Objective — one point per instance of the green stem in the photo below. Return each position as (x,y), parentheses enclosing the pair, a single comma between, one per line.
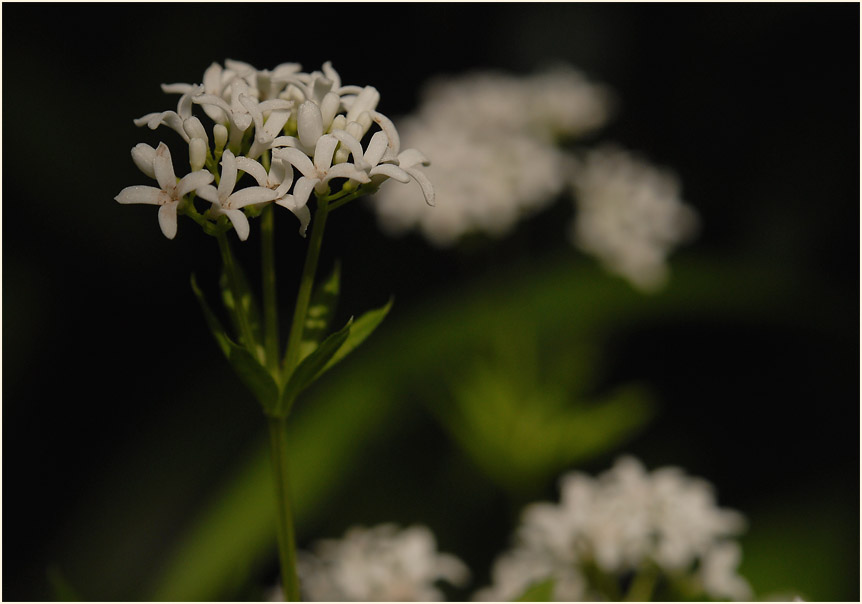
(642,584)
(233,282)
(284,516)
(270,306)
(291,358)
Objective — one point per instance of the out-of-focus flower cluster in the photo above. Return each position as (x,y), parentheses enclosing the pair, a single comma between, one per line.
(499,146)
(609,532)
(380,564)
(266,124)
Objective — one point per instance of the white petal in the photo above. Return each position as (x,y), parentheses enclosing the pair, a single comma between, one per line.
(412,157)
(285,141)
(303,213)
(228,175)
(177,88)
(302,190)
(346,171)
(212,79)
(329,108)
(248,197)
(390,171)
(257,171)
(281,172)
(164,168)
(210,100)
(366,101)
(376,147)
(323,151)
(427,187)
(195,129)
(298,159)
(240,223)
(389,128)
(209,193)
(192,182)
(309,124)
(168,220)
(274,123)
(140,194)
(354,146)
(143,156)
(276,105)
(330,73)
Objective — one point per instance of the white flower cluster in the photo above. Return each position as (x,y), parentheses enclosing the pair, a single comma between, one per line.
(629,214)
(380,564)
(265,124)
(492,139)
(621,523)
(496,144)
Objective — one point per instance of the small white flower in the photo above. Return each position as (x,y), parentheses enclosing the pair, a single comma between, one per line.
(227,202)
(381,564)
(173,119)
(718,573)
(279,179)
(170,193)
(321,171)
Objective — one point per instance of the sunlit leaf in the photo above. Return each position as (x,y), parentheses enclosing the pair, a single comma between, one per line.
(362,327)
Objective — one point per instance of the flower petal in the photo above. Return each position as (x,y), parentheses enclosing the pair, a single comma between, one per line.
(248,197)
(193,182)
(355,148)
(427,187)
(209,193)
(323,151)
(298,159)
(302,190)
(376,147)
(412,157)
(168,220)
(252,167)
(391,171)
(228,175)
(140,194)
(164,168)
(346,171)
(389,128)
(365,101)
(240,223)
(303,213)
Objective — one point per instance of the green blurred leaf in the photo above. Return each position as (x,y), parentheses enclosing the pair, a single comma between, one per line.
(362,327)
(248,306)
(254,375)
(540,591)
(321,309)
(310,368)
(61,589)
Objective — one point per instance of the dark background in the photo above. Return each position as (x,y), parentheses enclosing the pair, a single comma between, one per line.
(755,106)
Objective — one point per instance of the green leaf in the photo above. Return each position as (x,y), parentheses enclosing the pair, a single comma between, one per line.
(363,327)
(254,375)
(61,589)
(321,308)
(248,306)
(312,366)
(540,591)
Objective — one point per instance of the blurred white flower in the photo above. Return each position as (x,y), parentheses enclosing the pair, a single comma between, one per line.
(629,215)
(622,520)
(380,564)
(491,139)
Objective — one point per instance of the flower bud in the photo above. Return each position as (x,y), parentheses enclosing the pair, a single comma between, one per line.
(195,129)
(197,154)
(220,135)
(143,156)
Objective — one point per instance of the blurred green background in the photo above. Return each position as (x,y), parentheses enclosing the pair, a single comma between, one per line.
(134,463)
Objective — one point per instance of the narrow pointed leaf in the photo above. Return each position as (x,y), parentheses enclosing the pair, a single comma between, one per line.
(254,375)
(213,322)
(540,591)
(363,327)
(248,305)
(312,366)
(320,311)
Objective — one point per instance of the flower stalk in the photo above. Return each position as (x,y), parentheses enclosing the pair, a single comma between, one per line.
(284,517)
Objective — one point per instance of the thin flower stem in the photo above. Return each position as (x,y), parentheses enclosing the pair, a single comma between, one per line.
(233,282)
(291,358)
(284,516)
(270,305)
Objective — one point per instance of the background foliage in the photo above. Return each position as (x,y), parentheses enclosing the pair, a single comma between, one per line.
(134,461)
